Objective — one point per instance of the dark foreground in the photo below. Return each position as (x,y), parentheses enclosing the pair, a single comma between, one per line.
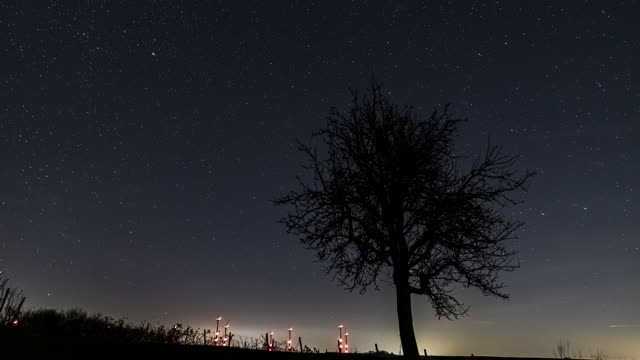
(28,347)
(198,352)
(59,342)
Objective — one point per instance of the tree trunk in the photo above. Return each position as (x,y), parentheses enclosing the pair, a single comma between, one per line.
(405,321)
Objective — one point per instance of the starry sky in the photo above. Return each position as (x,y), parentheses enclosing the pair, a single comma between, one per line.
(141,144)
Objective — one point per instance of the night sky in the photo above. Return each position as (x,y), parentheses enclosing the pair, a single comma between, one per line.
(141,144)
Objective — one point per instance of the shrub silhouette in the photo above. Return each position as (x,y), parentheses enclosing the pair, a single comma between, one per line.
(76,325)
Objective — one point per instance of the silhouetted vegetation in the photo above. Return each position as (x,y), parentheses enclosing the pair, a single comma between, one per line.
(564,349)
(599,355)
(391,200)
(11,302)
(75,334)
(77,326)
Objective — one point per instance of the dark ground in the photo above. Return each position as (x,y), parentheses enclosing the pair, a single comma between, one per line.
(56,344)
(146,351)
(25,347)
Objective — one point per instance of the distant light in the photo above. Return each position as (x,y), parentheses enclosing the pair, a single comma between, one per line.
(15,322)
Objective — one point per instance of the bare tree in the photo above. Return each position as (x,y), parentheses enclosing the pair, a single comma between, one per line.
(391,200)
(11,302)
(599,355)
(565,350)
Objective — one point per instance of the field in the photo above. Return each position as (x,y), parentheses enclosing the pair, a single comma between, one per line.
(147,351)
(28,347)
(72,334)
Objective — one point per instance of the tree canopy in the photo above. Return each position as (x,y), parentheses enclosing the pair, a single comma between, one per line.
(388,198)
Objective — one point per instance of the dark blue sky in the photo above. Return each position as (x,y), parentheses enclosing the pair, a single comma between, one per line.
(141,143)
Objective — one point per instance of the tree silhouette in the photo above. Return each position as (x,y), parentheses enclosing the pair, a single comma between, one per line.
(11,302)
(391,200)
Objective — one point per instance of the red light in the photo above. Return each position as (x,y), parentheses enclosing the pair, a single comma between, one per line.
(15,322)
